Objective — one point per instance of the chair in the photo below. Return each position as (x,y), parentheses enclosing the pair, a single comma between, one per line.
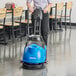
(26,23)
(15,27)
(58,10)
(2,25)
(67,16)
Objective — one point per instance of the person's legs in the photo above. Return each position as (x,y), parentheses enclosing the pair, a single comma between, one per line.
(45,27)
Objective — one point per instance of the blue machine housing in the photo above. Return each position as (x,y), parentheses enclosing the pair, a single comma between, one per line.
(34,54)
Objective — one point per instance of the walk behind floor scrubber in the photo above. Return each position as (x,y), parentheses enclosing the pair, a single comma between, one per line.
(34,55)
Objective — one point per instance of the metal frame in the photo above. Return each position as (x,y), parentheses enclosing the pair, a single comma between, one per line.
(37,27)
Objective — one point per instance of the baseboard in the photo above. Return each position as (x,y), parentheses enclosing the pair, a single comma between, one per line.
(73,24)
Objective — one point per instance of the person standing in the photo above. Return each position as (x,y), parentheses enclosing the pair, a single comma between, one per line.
(45,5)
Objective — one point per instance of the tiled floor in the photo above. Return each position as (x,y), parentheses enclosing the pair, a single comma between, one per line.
(61,57)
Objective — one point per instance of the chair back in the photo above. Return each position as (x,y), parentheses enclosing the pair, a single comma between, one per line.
(69,5)
(17,12)
(60,6)
(59,9)
(17,15)
(2,13)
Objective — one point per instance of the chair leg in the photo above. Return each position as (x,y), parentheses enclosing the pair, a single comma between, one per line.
(4,39)
(65,25)
(13,36)
(60,24)
(20,34)
(70,23)
(55,24)
(9,33)
(4,35)
(65,22)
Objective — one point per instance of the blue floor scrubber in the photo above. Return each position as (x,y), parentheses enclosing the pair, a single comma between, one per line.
(34,55)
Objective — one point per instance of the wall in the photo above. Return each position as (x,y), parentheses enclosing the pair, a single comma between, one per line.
(74,12)
(23,3)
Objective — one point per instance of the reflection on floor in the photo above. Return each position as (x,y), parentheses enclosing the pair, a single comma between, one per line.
(61,56)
